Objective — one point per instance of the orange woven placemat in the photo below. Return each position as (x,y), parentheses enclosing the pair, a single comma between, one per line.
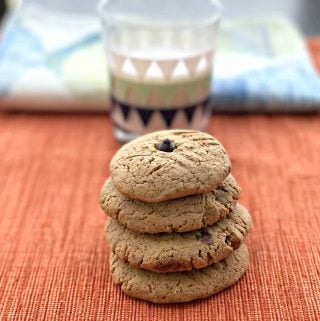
(314,48)
(53,257)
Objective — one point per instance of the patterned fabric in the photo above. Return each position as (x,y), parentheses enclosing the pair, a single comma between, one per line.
(53,256)
(261,65)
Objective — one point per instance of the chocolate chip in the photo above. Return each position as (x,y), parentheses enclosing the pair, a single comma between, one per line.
(167,146)
(233,242)
(204,236)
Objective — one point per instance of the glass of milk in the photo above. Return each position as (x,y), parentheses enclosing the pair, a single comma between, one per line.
(160,58)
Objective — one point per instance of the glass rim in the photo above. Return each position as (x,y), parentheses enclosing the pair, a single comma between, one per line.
(137,21)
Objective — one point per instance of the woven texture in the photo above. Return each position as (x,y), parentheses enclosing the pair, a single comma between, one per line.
(314,47)
(53,256)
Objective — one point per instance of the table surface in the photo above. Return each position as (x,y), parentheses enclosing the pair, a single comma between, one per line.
(53,256)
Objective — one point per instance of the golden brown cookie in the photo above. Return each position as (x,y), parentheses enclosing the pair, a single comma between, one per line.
(180,286)
(169,164)
(179,251)
(179,215)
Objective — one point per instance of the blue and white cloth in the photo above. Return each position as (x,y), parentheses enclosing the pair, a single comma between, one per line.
(55,61)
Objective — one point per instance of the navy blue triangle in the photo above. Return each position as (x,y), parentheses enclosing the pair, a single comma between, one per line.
(168,115)
(189,111)
(145,115)
(125,110)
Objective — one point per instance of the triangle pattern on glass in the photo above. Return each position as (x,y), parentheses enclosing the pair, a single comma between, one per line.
(117,61)
(189,112)
(168,116)
(135,122)
(154,72)
(125,109)
(179,121)
(181,71)
(156,122)
(167,67)
(141,66)
(116,114)
(128,68)
(197,118)
(192,64)
(145,115)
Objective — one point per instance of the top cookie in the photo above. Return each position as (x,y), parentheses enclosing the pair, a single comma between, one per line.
(169,164)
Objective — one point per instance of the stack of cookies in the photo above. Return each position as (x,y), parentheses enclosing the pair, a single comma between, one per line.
(175,229)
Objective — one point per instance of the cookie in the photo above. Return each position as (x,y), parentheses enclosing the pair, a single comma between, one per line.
(179,251)
(169,164)
(180,286)
(179,215)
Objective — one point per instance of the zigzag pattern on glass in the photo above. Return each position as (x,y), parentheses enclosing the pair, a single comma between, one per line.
(160,69)
(139,119)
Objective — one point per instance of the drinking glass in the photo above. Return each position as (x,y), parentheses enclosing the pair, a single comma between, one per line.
(160,58)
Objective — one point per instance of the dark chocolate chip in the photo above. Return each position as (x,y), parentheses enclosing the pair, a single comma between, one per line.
(204,236)
(167,146)
(233,242)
